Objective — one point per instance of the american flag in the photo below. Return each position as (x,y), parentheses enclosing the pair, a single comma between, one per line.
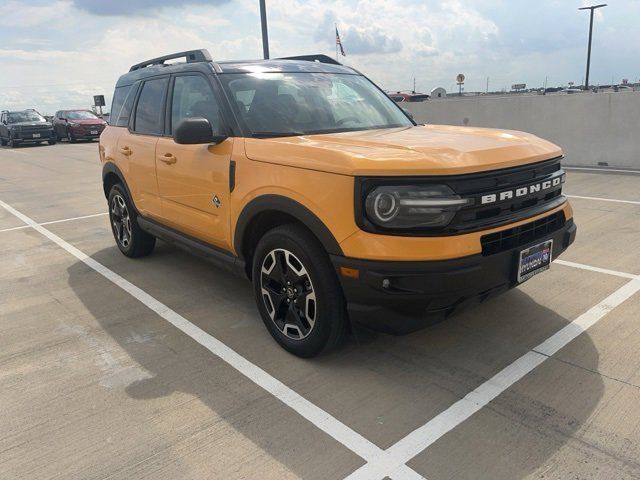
(339,43)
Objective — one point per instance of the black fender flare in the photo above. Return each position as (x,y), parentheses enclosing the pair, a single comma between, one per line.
(112,168)
(285,205)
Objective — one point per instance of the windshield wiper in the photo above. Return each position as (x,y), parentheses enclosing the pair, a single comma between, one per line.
(266,134)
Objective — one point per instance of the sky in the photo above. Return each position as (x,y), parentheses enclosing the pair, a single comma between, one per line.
(57,54)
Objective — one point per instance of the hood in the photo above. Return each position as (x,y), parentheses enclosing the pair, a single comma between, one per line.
(88,121)
(419,150)
(30,124)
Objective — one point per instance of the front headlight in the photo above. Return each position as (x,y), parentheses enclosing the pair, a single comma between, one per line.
(413,206)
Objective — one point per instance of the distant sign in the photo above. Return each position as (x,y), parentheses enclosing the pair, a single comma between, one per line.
(518,86)
(460,78)
(98,100)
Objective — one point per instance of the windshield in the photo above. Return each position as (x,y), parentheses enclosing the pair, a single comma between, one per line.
(279,104)
(17,117)
(81,115)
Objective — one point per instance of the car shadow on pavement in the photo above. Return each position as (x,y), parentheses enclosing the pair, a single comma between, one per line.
(381,386)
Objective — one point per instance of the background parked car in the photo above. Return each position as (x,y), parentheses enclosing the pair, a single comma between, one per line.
(25,126)
(77,125)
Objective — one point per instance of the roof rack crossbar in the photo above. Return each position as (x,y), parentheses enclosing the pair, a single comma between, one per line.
(192,56)
(313,58)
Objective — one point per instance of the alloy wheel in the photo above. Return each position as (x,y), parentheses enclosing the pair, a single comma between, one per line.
(288,294)
(121,220)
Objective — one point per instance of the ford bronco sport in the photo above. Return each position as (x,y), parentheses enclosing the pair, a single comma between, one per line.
(303,176)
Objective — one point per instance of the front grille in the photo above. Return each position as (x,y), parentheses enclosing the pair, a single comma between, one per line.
(521,235)
(35,129)
(488,187)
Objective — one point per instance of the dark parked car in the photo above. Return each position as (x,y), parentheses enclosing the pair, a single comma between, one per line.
(77,125)
(26,126)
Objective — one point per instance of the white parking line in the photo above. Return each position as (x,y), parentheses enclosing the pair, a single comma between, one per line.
(595,269)
(314,414)
(601,199)
(22,227)
(417,441)
(12,151)
(602,170)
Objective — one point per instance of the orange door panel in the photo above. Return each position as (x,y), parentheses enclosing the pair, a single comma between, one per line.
(194,187)
(139,152)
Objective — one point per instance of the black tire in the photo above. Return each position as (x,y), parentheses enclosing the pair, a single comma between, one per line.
(52,141)
(70,137)
(3,142)
(130,238)
(318,291)
(12,143)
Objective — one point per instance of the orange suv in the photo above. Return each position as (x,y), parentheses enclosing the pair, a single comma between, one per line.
(303,176)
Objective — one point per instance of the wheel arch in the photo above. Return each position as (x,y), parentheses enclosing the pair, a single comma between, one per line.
(111,175)
(269,211)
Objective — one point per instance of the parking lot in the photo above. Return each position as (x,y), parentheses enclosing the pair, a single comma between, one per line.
(162,368)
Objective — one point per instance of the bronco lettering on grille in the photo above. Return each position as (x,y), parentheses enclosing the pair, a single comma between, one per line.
(521,191)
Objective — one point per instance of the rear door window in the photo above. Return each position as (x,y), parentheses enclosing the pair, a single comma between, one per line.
(149,115)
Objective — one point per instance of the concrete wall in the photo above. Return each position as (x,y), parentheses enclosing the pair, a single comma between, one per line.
(593,129)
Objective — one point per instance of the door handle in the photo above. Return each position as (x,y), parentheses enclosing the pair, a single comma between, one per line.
(168,158)
(126,151)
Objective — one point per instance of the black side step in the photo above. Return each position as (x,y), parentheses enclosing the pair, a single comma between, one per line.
(210,253)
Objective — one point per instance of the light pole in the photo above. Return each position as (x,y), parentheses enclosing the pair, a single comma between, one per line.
(265,36)
(592,8)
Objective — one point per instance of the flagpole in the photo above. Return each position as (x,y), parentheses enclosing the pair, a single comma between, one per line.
(336,41)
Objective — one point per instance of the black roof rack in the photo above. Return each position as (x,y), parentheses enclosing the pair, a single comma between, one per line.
(192,56)
(313,58)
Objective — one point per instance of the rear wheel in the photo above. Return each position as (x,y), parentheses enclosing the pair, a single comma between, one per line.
(297,292)
(130,238)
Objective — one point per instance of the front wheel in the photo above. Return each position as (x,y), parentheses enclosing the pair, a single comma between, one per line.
(297,292)
(70,137)
(52,141)
(130,238)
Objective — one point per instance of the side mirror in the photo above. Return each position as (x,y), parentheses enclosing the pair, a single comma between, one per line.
(408,113)
(192,131)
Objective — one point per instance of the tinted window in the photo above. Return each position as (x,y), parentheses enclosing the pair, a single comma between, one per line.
(122,119)
(192,97)
(119,97)
(149,111)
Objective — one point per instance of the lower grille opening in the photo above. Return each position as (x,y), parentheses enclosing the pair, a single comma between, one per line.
(521,235)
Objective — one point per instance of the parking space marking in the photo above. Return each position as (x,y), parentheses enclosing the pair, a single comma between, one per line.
(601,199)
(417,441)
(12,151)
(22,227)
(606,271)
(348,437)
(603,170)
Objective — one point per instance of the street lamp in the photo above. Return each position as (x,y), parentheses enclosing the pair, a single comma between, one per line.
(592,8)
(265,37)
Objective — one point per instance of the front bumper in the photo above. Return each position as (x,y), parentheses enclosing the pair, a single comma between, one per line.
(86,134)
(401,297)
(32,137)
